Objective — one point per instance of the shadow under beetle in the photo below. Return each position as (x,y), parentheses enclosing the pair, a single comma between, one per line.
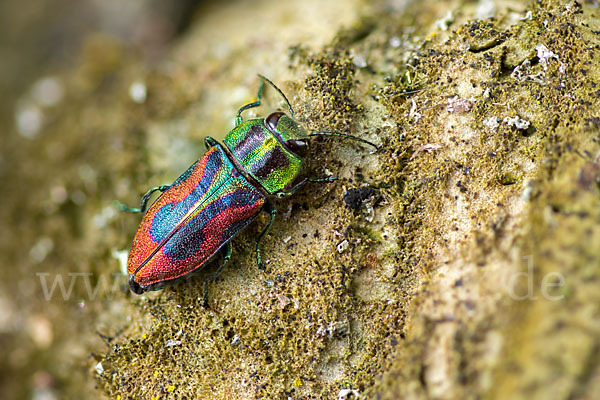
(219,195)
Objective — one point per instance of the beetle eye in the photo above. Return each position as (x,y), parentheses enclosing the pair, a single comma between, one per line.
(298,147)
(272,120)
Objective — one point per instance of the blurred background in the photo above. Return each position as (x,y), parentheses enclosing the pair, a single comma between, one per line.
(42,44)
(46,36)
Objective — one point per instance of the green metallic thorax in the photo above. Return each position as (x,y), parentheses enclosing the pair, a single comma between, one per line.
(262,155)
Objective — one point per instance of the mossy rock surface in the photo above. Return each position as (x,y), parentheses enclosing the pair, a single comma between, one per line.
(469,270)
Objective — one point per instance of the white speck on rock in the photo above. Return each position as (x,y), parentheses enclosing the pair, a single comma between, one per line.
(457,105)
(517,122)
(429,147)
(528,15)
(413,113)
(492,123)
(342,246)
(283,301)
(544,55)
(99,368)
(345,394)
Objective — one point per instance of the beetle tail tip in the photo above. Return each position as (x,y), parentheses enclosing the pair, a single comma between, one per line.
(134,286)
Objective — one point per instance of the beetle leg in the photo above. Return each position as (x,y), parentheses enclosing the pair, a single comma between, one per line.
(270,208)
(144,201)
(238,117)
(212,277)
(303,182)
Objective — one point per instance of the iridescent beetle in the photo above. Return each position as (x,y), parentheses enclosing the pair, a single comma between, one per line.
(219,195)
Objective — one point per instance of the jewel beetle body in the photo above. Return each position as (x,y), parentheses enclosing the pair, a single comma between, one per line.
(219,195)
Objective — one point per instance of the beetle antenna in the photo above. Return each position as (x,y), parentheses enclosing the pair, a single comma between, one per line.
(278,91)
(344,136)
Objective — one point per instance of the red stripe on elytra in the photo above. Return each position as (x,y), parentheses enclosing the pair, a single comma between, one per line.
(143,245)
(163,268)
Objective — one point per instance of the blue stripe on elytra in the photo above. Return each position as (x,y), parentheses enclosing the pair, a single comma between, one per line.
(188,241)
(168,216)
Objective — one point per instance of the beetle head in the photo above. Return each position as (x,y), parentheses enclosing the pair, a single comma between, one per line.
(291,134)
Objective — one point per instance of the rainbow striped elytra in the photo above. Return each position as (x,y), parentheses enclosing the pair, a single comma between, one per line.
(196,216)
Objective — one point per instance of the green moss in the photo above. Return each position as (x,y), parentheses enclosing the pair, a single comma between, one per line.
(333,80)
